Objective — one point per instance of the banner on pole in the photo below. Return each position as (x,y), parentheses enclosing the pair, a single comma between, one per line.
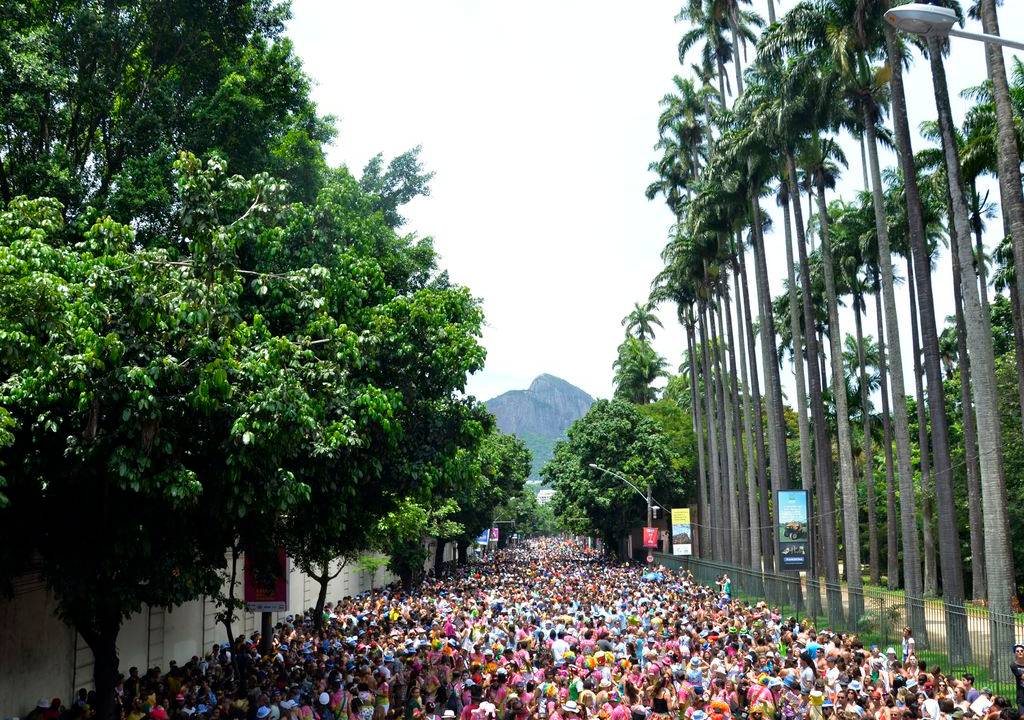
(494,534)
(484,537)
(266,589)
(650,537)
(682,532)
(794,531)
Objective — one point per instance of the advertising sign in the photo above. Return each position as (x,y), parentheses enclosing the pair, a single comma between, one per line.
(484,537)
(650,537)
(266,588)
(682,532)
(494,534)
(793,529)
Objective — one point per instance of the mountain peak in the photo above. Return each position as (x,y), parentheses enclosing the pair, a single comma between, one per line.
(541,414)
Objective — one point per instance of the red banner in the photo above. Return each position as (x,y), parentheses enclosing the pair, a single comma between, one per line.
(650,537)
(267,593)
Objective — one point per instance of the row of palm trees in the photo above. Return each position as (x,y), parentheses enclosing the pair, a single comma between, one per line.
(824,69)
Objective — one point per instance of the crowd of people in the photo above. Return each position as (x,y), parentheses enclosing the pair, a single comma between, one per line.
(549,631)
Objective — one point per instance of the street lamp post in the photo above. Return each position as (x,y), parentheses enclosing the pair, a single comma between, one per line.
(934,21)
(648,496)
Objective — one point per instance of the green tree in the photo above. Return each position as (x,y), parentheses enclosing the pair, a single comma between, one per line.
(614,435)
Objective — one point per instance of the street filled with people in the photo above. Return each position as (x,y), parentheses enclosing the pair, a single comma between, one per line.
(548,630)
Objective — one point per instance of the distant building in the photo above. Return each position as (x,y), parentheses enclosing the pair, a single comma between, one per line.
(544,495)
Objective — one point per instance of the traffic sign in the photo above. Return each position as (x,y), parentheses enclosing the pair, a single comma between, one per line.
(650,558)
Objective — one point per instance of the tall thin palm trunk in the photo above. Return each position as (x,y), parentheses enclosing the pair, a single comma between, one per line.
(874,571)
(722,518)
(711,531)
(892,525)
(776,421)
(822,446)
(748,444)
(998,556)
(696,406)
(727,349)
(1010,189)
(803,423)
(844,437)
(767,548)
(974,514)
(930,554)
(908,510)
(951,558)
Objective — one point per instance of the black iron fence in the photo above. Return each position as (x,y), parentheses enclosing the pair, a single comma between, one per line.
(957,637)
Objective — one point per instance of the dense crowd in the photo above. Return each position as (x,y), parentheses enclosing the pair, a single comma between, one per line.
(547,631)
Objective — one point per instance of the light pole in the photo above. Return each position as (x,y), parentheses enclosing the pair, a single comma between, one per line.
(934,21)
(648,497)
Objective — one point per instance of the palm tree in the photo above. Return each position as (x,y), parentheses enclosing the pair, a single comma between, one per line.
(836,30)
(637,366)
(641,321)
(1009,153)
(850,226)
(821,159)
(998,558)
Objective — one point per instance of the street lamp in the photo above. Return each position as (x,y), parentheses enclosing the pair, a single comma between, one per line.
(651,502)
(934,21)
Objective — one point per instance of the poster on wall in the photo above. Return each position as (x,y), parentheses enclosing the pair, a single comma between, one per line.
(266,588)
(793,530)
(650,537)
(682,532)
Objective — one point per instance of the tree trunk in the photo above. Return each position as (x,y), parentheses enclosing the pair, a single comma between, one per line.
(731,450)
(101,638)
(951,558)
(974,513)
(698,425)
(892,568)
(461,547)
(323,580)
(874,569)
(720,507)
(822,447)
(726,472)
(847,483)
(715,503)
(776,419)
(754,534)
(1010,191)
(767,549)
(998,557)
(266,632)
(439,557)
(908,511)
(931,569)
(803,424)
(739,427)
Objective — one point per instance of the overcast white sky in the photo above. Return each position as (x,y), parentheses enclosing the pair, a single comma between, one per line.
(538,118)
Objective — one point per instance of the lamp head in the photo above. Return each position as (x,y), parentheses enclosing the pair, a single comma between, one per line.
(922,19)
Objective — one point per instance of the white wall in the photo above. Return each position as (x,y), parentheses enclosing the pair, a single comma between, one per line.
(41,657)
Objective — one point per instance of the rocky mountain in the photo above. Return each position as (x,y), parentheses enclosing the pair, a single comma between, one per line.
(540,415)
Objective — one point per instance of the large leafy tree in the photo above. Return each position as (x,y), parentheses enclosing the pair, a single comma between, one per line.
(616,436)
(181,404)
(100,96)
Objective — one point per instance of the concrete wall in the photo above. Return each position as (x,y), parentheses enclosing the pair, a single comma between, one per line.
(41,657)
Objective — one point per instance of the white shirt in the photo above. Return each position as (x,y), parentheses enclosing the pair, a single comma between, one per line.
(559,648)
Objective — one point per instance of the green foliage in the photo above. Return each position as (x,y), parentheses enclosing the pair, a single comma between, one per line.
(637,366)
(97,102)
(617,436)
(248,392)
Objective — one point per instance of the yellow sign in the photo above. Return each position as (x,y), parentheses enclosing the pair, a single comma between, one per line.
(682,532)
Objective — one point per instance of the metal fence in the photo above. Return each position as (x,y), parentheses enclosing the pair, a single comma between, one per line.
(957,637)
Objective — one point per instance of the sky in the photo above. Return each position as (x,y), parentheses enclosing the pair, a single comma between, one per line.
(539,119)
